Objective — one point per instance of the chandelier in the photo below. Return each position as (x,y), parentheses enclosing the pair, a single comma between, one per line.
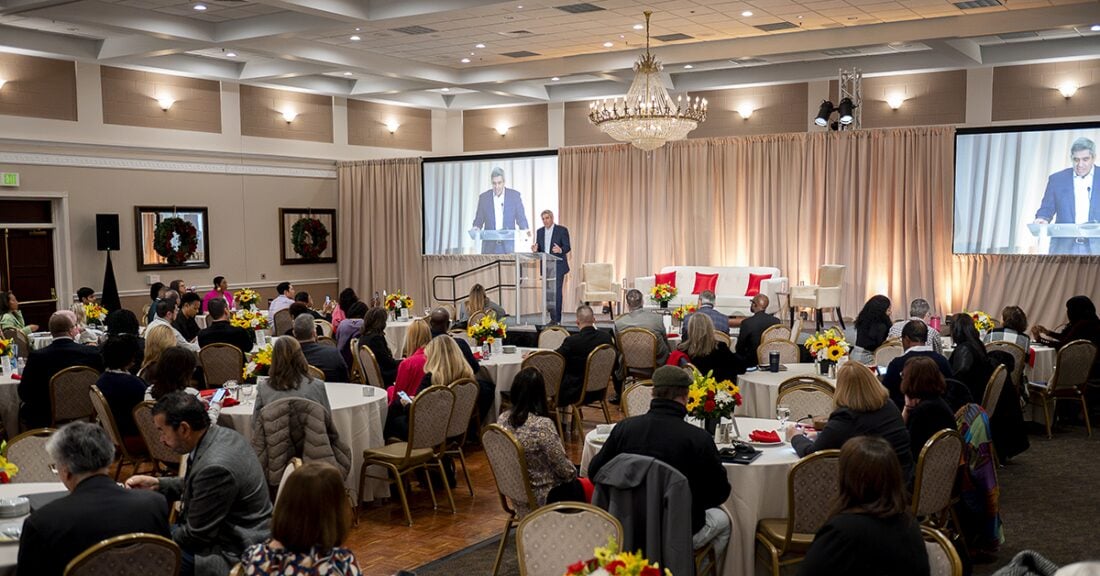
(647,116)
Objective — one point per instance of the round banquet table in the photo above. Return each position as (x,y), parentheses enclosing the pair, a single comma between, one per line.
(761,388)
(395,335)
(9,552)
(502,368)
(9,404)
(358,418)
(759,490)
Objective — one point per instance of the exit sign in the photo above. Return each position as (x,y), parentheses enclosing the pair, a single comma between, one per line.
(9,178)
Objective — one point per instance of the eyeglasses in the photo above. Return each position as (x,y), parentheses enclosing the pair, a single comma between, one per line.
(53,467)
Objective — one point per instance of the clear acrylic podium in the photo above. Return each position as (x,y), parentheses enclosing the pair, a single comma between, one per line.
(508,237)
(536,288)
(1044,233)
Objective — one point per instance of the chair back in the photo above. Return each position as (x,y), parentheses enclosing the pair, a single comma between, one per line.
(776,332)
(812,486)
(326,327)
(356,369)
(107,419)
(830,275)
(937,468)
(20,339)
(555,536)
(888,351)
(283,321)
(475,317)
(128,555)
(639,349)
(943,559)
(508,463)
(460,334)
(326,341)
(993,389)
(796,330)
(69,394)
(806,396)
(721,336)
(636,398)
(295,463)
(598,369)
(28,452)
(598,276)
(1019,355)
(143,417)
(316,373)
(552,366)
(788,351)
(1072,365)
(369,365)
(551,337)
(465,391)
(430,417)
(221,363)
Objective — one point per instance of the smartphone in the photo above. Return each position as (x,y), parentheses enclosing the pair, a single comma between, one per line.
(218,395)
(404,397)
(881,370)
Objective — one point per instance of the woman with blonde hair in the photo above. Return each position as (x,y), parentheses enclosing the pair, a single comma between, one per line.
(707,353)
(157,339)
(444,364)
(862,407)
(289,376)
(478,301)
(411,370)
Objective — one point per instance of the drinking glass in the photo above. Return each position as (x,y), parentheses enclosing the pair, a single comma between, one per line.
(233,388)
(247,391)
(782,413)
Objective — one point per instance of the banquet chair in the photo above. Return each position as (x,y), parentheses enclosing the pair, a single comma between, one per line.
(221,363)
(775,332)
(326,341)
(889,350)
(164,459)
(295,427)
(429,417)
(811,487)
(316,373)
(943,559)
(638,347)
(20,339)
(508,462)
(28,452)
(598,284)
(356,371)
(788,351)
(597,376)
(1019,355)
(368,364)
(721,336)
(69,395)
(825,295)
(934,480)
(282,322)
(136,554)
(552,366)
(806,396)
(107,421)
(993,389)
(551,337)
(294,464)
(326,327)
(796,329)
(465,391)
(1070,378)
(475,317)
(460,334)
(551,538)
(636,398)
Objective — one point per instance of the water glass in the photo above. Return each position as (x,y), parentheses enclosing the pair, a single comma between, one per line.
(247,391)
(782,413)
(233,389)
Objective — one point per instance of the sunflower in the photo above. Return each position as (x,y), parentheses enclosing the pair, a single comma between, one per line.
(835,353)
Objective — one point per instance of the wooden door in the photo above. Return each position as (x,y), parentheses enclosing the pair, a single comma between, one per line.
(26,268)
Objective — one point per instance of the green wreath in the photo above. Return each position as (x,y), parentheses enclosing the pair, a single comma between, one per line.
(173,228)
(309,238)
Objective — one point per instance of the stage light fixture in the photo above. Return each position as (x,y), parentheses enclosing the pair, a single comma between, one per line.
(823,113)
(846,108)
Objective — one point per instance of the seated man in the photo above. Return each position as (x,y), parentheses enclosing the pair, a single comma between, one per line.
(327,358)
(706,306)
(44,364)
(220,330)
(913,338)
(86,295)
(167,310)
(283,300)
(663,434)
(185,322)
(752,329)
(226,507)
(576,349)
(918,310)
(638,317)
(324,314)
(96,509)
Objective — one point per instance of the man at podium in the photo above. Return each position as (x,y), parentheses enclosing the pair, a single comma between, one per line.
(554,240)
(499,209)
(1071,198)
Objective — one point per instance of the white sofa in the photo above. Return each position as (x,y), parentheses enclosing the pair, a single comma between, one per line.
(729,292)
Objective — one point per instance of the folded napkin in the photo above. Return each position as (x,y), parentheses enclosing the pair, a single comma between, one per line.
(764,436)
(1031,357)
(673,335)
(227,402)
(477,355)
(16,376)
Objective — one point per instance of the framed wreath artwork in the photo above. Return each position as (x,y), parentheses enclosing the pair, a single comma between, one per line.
(171,237)
(308,236)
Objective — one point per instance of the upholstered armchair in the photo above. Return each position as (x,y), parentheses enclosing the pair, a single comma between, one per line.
(824,295)
(599,284)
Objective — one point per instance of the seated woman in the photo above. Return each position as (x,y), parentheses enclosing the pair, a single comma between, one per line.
(11,317)
(926,412)
(871,530)
(444,364)
(373,336)
(156,292)
(121,389)
(707,353)
(1013,328)
(157,340)
(344,302)
(872,327)
(310,523)
(172,372)
(478,301)
(969,362)
(221,290)
(123,321)
(349,328)
(553,475)
(1082,324)
(289,377)
(862,408)
(410,372)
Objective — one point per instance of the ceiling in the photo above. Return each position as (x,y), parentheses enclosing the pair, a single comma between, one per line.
(459,54)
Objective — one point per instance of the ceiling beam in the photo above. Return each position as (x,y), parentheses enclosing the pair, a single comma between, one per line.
(278,24)
(116,17)
(387,9)
(9,7)
(47,43)
(267,69)
(137,45)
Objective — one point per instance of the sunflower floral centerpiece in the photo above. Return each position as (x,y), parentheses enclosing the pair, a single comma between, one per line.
(828,348)
(710,400)
(94,314)
(247,299)
(609,561)
(259,365)
(252,320)
(982,321)
(662,294)
(681,312)
(489,332)
(8,470)
(395,302)
(5,355)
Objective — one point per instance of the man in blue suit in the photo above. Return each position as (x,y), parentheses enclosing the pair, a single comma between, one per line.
(554,240)
(500,209)
(1071,197)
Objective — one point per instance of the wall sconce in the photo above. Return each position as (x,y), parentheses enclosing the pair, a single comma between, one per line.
(289,115)
(745,110)
(392,126)
(1068,89)
(165,102)
(502,129)
(2,82)
(894,101)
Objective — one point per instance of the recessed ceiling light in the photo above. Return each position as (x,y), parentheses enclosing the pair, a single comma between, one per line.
(747,13)
(688,66)
(355,38)
(479,45)
(445,89)
(473,53)
(358,29)
(1095,28)
(608,44)
(520,7)
(639,26)
(465,60)
(555,79)
(231,54)
(347,73)
(200,7)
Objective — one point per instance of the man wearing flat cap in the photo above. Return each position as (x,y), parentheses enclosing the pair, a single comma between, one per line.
(662,433)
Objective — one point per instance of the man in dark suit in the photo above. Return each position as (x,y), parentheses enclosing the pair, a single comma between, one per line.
(96,508)
(914,336)
(752,328)
(554,240)
(576,349)
(226,506)
(44,364)
(500,208)
(220,330)
(1072,197)
(327,358)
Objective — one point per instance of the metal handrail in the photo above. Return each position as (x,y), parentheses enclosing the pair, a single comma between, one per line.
(498,287)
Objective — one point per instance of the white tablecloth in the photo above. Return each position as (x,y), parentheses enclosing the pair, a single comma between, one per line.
(40,340)
(760,389)
(395,336)
(9,404)
(502,368)
(358,418)
(1043,369)
(9,553)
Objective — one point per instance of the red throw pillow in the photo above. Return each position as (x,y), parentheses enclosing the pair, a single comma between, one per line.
(754,283)
(705,282)
(665,278)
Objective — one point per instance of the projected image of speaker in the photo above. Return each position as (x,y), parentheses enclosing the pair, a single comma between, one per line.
(106,232)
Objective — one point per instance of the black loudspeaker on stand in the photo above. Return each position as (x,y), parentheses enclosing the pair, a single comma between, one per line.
(106,239)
